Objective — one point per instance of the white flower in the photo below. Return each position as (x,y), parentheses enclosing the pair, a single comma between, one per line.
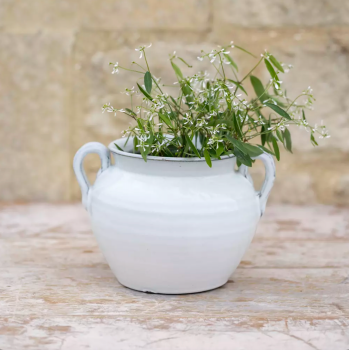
(158,146)
(324,131)
(215,140)
(108,108)
(142,48)
(308,91)
(115,68)
(142,139)
(125,133)
(129,92)
(282,125)
(200,58)
(201,122)
(188,119)
(212,56)
(259,121)
(141,54)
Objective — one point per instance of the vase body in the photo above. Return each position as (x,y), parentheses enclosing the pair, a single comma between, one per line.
(172,226)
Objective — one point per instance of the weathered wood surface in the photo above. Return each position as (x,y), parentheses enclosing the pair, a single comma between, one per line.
(291,291)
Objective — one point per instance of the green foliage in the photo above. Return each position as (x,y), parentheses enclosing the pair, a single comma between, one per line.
(211,117)
(278,110)
(148,83)
(258,88)
(207,158)
(270,69)
(276,63)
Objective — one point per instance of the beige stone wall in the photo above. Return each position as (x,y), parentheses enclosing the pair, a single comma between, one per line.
(55,77)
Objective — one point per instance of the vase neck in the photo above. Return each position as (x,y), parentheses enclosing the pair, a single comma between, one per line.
(175,168)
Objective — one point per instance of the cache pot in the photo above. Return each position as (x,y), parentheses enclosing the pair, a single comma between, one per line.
(171,225)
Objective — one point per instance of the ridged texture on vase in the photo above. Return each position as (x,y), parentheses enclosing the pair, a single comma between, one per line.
(172,225)
(173,234)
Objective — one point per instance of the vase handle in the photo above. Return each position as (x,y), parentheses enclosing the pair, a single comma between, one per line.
(268,183)
(104,155)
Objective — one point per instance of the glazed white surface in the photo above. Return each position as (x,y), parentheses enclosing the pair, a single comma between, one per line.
(172,226)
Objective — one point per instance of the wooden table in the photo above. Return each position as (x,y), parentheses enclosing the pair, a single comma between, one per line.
(291,290)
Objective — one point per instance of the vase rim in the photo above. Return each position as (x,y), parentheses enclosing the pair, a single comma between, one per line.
(121,141)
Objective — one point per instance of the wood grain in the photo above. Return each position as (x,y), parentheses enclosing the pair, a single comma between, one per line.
(291,290)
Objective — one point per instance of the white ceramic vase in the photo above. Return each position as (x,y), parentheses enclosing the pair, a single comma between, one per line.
(171,225)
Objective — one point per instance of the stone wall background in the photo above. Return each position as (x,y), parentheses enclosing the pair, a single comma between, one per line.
(55,77)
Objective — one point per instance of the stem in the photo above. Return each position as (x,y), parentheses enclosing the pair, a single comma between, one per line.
(131,70)
(294,101)
(252,70)
(145,57)
(220,58)
(243,122)
(138,65)
(266,90)
(217,70)
(236,77)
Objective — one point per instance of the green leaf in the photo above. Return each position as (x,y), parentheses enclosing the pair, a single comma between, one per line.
(166,120)
(139,122)
(207,158)
(177,70)
(148,82)
(271,69)
(232,63)
(144,154)
(280,136)
(269,135)
(172,115)
(186,149)
(212,153)
(187,92)
(242,49)
(287,140)
(193,148)
(238,85)
(187,64)
(277,100)
(276,63)
(127,139)
(243,158)
(312,140)
(135,143)
(303,115)
(219,150)
(118,147)
(151,135)
(276,148)
(131,112)
(144,93)
(266,150)
(174,101)
(263,136)
(278,110)
(236,124)
(258,88)
(251,150)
